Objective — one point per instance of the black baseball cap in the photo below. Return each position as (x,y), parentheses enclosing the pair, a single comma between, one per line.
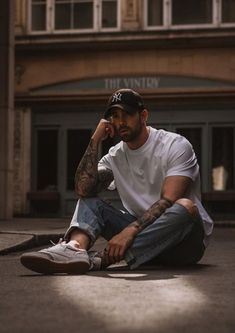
(125,99)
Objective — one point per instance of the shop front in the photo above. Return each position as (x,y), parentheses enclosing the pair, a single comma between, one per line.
(65,114)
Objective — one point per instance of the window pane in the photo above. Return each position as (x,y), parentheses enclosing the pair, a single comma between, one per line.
(191,11)
(109,14)
(83,15)
(77,142)
(38,17)
(222,158)
(63,16)
(194,136)
(47,152)
(155,12)
(228,11)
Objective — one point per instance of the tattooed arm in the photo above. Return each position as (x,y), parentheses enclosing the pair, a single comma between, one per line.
(88,180)
(155,211)
(174,188)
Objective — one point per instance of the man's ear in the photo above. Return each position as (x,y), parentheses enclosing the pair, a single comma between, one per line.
(144,115)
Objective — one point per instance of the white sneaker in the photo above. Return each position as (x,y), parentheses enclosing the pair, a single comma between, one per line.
(61,258)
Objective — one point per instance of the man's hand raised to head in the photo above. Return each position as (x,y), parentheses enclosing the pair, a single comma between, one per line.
(103,130)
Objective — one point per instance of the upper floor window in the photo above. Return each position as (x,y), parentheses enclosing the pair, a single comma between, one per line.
(155,13)
(38,15)
(174,14)
(74,15)
(228,11)
(191,12)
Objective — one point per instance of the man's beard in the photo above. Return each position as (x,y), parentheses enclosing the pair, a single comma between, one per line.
(131,133)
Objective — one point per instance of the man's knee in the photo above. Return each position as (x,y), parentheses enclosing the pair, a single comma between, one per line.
(189,205)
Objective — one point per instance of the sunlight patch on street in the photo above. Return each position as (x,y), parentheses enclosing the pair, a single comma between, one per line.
(126,275)
(134,300)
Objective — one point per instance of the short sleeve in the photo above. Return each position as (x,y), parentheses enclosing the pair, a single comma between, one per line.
(104,163)
(181,159)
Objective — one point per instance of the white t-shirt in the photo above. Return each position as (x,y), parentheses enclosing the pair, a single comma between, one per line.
(139,173)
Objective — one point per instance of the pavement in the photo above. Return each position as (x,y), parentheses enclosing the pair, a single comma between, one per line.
(197,298)
(24,233)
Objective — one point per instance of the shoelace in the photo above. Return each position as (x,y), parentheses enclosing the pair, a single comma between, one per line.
(62,242)
(59,242)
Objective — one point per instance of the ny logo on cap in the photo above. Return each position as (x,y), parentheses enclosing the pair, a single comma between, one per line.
(117,97)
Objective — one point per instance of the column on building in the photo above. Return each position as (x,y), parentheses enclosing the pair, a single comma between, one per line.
(6,107)
(22,160)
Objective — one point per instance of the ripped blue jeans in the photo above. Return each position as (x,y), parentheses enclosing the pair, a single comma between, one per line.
(175,238)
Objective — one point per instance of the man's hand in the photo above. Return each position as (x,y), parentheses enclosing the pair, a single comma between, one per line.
(103,130)
(118,245)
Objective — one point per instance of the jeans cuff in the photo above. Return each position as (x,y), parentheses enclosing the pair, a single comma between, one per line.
(85,228)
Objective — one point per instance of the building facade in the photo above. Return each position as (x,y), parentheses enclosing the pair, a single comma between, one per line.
(72,54)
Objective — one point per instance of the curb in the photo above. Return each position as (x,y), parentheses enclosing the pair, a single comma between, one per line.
(34,241)
(224,224)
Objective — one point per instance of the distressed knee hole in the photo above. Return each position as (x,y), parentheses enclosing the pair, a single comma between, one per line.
(189,205)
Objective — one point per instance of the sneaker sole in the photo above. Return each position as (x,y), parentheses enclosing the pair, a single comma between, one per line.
(46,266)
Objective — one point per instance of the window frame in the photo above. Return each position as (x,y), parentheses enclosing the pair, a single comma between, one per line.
(211,126)
(50,20)
(118,27)
(29,25)
(167,18)
(223,24)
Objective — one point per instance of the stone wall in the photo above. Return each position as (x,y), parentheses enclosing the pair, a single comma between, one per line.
(48,68)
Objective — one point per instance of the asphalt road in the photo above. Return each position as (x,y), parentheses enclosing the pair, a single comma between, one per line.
(195,299)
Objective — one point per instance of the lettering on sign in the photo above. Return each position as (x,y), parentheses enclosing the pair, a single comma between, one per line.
(143,82)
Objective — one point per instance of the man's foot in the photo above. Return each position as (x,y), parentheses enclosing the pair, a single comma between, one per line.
(97,261)
(61,258)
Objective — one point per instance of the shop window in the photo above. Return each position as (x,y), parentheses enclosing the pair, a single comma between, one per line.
(191,12)
(228,11)
(74,15)
(155,12)
(77,142)
(38,15)
(47,156)
(222,158)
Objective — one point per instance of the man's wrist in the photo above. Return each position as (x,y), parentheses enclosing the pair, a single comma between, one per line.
(95,140)
(135,227)
(156,210)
